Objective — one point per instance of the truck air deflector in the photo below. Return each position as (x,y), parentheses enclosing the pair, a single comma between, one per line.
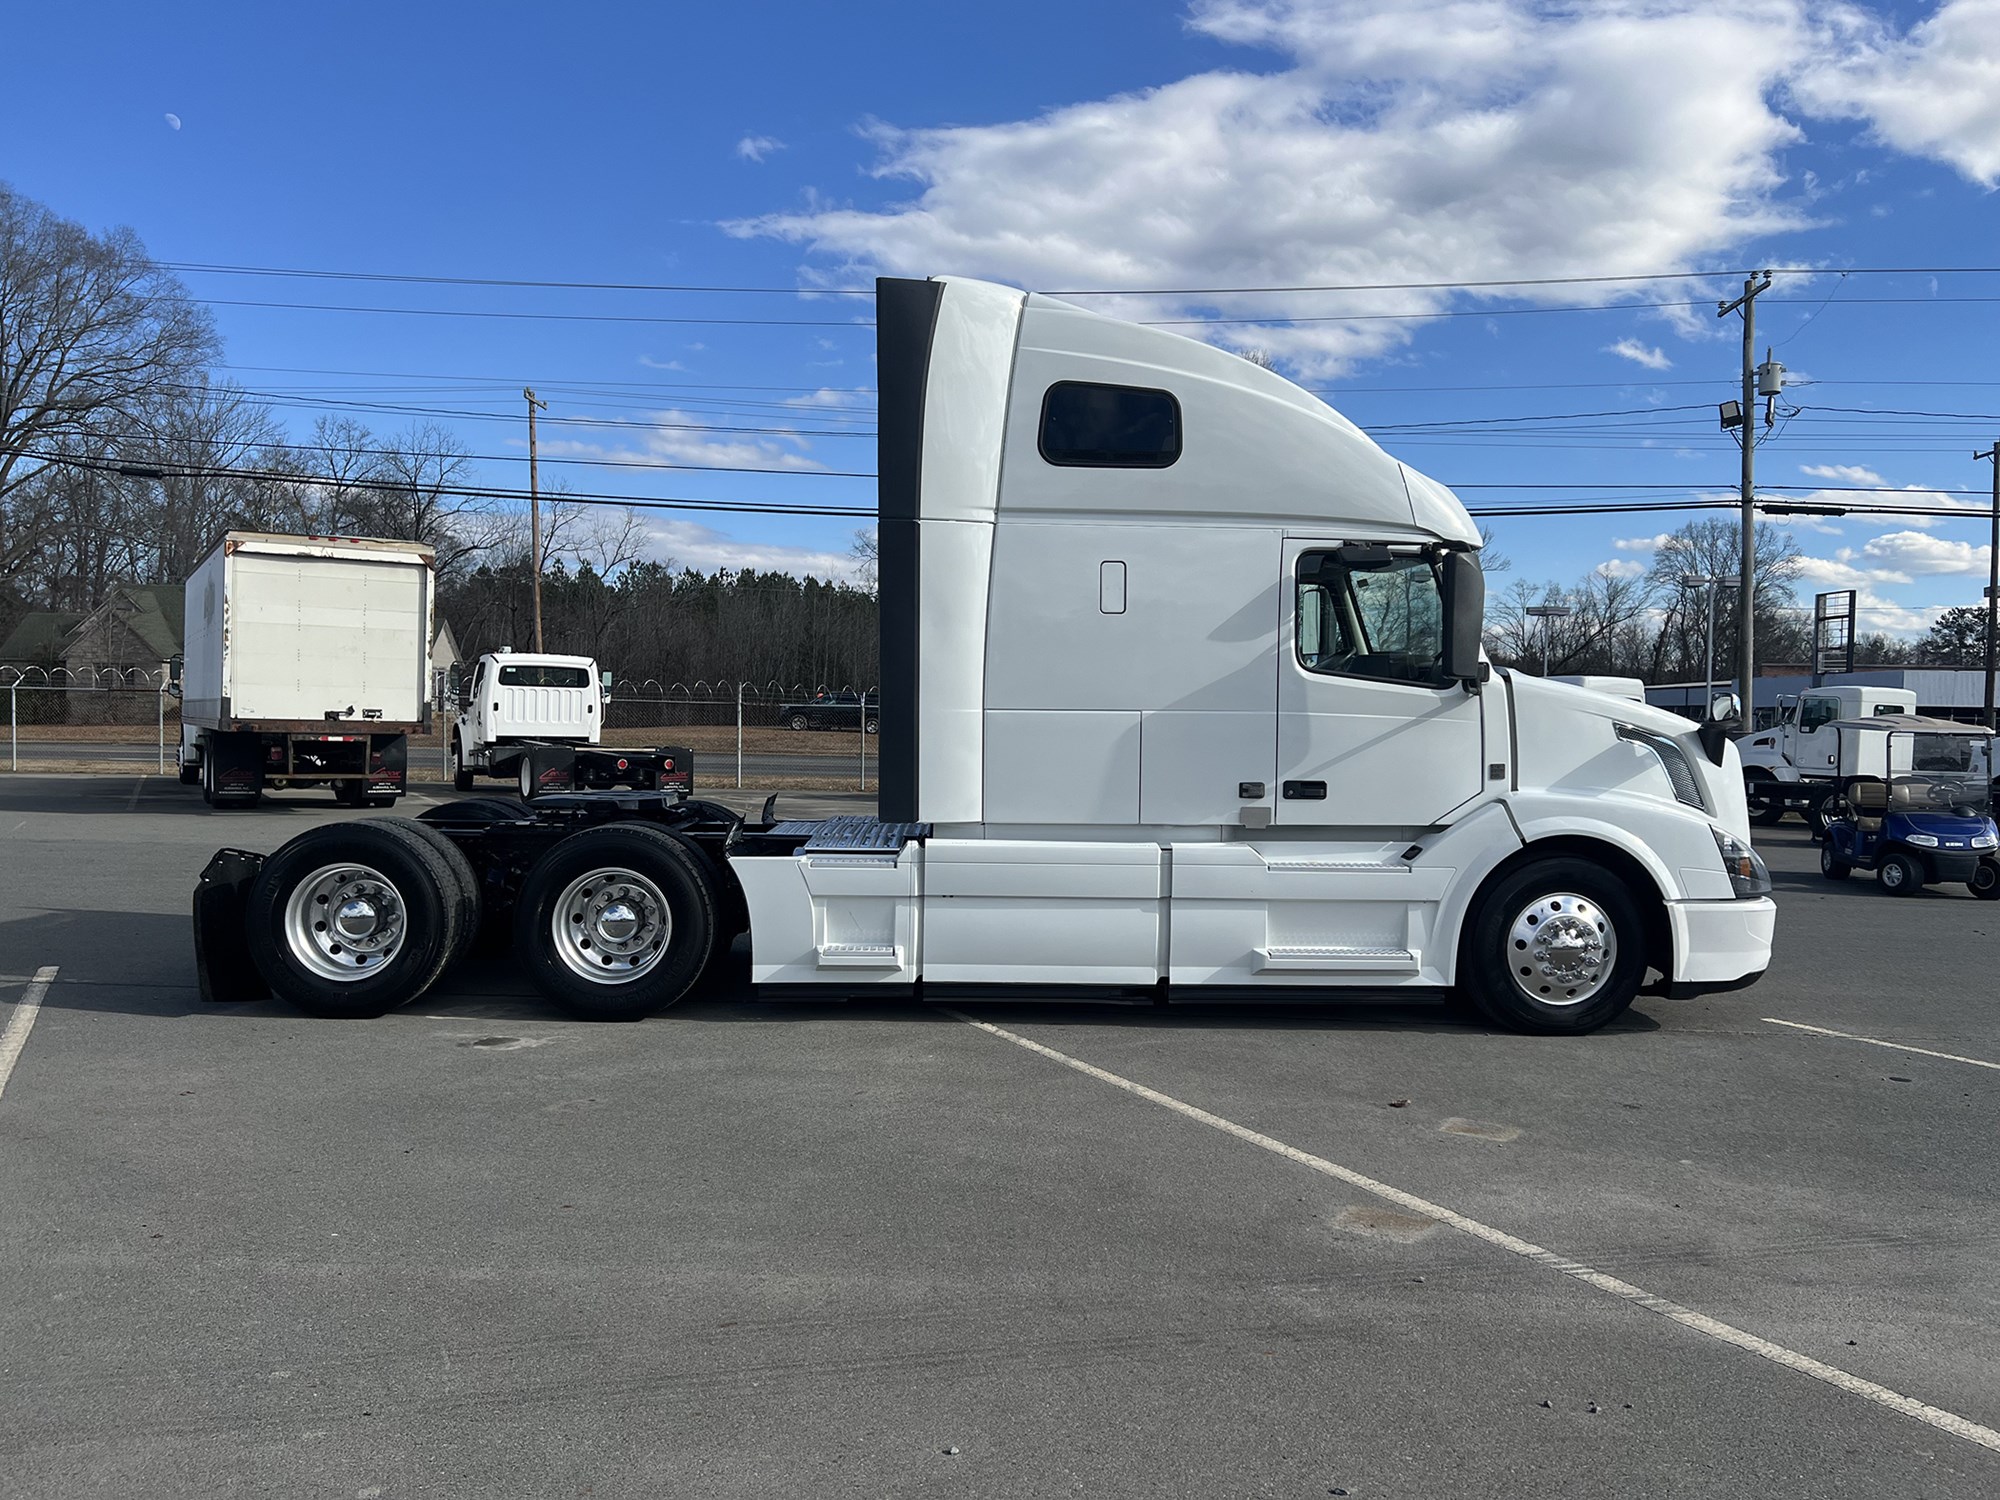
(905,317)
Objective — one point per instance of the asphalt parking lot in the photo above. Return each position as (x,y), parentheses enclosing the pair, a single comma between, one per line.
(876,1249)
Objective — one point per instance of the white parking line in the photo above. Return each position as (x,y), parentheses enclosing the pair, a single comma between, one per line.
(1875,1041)
(1853,1385)
(15,1037)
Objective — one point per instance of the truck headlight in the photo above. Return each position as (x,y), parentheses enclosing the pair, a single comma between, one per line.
(1673,760)
(1747,875)
(1922,840)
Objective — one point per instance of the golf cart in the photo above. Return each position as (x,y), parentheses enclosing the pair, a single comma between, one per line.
(1912,801)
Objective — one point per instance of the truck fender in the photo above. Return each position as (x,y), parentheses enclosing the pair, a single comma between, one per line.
(1552,834)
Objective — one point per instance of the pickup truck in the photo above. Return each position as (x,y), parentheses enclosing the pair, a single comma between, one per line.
(832,711)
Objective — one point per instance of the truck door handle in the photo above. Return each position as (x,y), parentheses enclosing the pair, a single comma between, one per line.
(1305,791)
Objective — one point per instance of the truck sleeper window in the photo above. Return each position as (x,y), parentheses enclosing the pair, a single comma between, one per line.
(1086,425)
(544,676)
(1384,622)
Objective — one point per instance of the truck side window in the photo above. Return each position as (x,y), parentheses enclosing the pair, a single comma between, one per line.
(1817,711)
(1086,425)
(1379,621)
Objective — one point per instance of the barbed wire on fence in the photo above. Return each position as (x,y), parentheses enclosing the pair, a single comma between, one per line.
(84,678)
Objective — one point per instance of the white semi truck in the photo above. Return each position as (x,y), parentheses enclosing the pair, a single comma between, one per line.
(1790,766)
(538,720)
(306,662)
(1183,695)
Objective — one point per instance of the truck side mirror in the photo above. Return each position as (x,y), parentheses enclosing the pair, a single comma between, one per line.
(1725,709)
(1464,618)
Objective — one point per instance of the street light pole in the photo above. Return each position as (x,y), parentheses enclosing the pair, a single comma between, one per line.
(1992,580)
(1545,613)
(1711,582)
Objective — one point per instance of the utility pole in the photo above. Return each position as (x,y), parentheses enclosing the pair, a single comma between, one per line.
(535,513)
(1746,671)
(1992,579)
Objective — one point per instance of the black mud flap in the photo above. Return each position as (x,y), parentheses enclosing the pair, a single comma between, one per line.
(675,770)
(221,956)
(551,768)
(388,765)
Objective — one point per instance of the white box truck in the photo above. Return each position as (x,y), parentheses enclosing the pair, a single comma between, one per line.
(1183,695)
(1789,767)
(307,662)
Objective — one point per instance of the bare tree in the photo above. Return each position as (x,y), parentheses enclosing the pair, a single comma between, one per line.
(90,331)
(420,489)
(867,552)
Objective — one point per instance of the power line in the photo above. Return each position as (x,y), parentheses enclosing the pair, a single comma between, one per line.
(1626,278)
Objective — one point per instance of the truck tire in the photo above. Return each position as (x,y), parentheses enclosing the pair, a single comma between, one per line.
(617,922)
(1899,874)
(191,774)
(351,920)
(465,881)
(1763,814)
(461,774)
(1556,948)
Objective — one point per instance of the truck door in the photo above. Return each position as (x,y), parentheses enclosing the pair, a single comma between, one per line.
(1812,747)
(1369,732)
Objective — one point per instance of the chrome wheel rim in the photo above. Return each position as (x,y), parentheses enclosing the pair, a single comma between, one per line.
(611,926)
(1561,949)
(345,922)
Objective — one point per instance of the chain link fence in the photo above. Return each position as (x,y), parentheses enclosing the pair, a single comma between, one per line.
(742,733)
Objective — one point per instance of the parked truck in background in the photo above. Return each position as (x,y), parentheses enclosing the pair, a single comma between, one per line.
(538,720)
(1790,766)
(1184,696)
(305,662)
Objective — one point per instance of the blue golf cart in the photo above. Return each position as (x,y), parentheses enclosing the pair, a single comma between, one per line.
(1912,801)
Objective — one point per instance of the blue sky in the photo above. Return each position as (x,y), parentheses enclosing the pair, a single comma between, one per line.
(1115,145)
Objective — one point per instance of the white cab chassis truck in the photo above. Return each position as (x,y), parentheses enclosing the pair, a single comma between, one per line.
(538,720)
(306,662)
(1182,696)
(1790,766)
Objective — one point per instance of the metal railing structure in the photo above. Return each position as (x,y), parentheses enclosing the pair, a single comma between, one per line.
(62,715)
(107,708)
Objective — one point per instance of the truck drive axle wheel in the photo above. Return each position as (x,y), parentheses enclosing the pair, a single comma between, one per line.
(617,922)
(351,920)
(1555,948)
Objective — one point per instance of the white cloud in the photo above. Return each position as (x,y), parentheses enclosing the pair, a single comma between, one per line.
(1837,573)
(1933,90)
(680,438)
(1920,552)
(1621,567)
(757,147)
(661,364)
(1845,473)
(693,545)
(1647,544)
(1651,356)
(1400,140)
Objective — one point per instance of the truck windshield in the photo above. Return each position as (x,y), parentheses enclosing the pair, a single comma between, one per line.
(544,676)
(1385,622)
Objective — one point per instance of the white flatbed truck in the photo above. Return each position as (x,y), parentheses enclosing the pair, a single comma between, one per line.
(306,662)
(538,720)
(1183,695)
(1790,766)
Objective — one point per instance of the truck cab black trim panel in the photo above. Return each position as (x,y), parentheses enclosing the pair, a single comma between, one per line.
(905,319)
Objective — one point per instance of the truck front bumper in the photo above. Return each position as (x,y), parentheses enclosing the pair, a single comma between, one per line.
(1720,945)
